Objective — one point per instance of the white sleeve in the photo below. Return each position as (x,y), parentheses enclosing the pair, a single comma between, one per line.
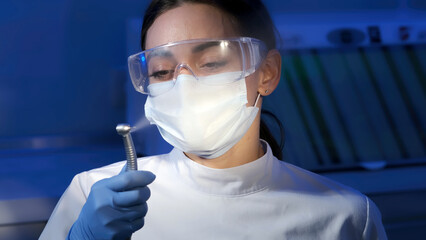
(66,211)
(373,229)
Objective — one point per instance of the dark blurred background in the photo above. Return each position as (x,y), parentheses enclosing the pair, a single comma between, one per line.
(352,100)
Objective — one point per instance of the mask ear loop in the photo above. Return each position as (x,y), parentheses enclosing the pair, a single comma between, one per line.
(258,95)
(257,99)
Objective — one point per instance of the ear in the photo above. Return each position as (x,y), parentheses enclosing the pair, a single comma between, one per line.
(270,73)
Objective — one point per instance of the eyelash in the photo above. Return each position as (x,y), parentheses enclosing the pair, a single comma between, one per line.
(161,73)
(216,64)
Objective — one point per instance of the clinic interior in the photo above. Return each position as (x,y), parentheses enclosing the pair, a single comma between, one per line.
(352,100)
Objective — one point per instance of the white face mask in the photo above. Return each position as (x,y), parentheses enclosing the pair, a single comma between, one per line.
(199,117)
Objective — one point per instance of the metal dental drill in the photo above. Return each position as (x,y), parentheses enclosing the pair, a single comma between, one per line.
(124,130)
(132,164)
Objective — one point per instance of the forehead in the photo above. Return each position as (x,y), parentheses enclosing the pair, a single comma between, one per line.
(189,21)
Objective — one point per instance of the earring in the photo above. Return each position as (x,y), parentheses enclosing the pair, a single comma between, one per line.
(266,91)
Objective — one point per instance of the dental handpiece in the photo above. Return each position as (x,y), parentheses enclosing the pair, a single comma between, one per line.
(132,164)
(123,129)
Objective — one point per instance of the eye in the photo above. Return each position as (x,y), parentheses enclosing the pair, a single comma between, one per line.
(162,75)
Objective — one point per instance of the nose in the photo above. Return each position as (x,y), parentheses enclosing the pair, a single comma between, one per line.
(183,68)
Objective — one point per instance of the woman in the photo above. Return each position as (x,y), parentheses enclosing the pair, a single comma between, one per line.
(207,65)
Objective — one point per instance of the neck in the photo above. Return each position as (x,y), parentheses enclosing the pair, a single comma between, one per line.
(246,150)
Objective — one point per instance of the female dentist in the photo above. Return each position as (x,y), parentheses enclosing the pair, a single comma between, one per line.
(206,66)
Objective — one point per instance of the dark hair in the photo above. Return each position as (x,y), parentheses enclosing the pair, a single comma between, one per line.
(252,20)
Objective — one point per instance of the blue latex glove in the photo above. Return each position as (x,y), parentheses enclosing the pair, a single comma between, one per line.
(115,208)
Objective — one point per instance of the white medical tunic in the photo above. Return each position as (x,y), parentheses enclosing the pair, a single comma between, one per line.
(263,199)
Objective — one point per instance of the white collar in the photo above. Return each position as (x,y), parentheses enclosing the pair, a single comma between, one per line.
(245,179)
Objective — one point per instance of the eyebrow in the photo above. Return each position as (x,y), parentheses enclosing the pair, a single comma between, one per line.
(204,46)
(159,53)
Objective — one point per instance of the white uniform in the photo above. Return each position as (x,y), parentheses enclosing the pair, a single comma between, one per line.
(264,199)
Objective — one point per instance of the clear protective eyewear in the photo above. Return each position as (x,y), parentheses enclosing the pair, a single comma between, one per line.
(199,57)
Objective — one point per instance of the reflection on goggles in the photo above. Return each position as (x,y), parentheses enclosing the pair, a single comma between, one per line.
(203,59)
(197,57)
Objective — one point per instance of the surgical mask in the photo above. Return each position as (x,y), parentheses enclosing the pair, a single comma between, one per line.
(198,117)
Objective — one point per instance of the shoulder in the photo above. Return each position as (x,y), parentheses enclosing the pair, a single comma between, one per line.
(319,201)
(322,197)
(298,178)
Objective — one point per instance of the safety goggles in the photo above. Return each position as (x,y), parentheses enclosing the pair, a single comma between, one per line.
(200,57)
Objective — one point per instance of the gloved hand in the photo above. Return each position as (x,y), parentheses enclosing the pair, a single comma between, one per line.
(115,208)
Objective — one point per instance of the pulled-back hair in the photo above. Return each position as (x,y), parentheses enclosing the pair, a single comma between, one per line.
(251,16)
(251,19)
